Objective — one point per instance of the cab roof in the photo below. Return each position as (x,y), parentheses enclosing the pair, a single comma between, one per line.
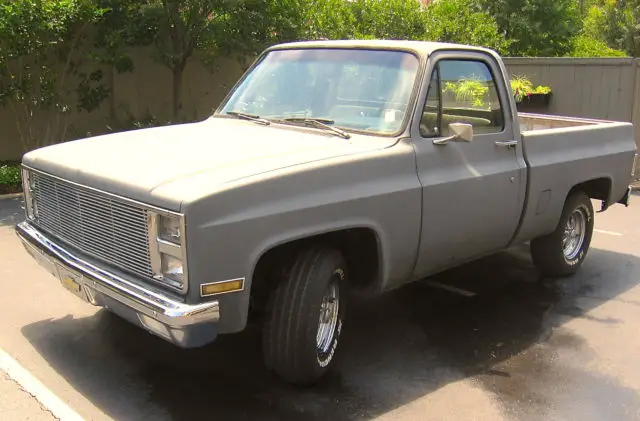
(421,48)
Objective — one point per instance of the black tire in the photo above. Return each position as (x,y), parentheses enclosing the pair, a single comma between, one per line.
(548,251)
(293,316)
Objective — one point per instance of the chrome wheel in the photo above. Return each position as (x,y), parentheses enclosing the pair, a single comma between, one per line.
(574,234)
(329,311)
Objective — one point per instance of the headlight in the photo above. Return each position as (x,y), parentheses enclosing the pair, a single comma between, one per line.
(172,269)
(169,229)
(168,250)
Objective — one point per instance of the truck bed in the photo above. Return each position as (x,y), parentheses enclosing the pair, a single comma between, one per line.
(562,152)
(534,122)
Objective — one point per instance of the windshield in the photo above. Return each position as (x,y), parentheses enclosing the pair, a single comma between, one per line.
(365,90)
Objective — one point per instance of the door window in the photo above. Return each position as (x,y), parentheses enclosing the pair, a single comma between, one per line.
(462,91)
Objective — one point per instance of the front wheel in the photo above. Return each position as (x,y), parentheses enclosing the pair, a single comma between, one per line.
(562,252)
(305,316)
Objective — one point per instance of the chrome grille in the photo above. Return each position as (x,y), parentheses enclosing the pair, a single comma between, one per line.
(100,225)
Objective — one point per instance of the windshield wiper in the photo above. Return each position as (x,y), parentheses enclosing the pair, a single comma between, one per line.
(251,117)
(321,123)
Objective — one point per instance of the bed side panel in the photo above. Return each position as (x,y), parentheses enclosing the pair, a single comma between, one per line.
(562,158)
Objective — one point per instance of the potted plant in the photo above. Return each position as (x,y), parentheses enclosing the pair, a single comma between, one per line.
(529,97)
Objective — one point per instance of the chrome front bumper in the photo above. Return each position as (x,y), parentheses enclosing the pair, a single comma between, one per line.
(182,324)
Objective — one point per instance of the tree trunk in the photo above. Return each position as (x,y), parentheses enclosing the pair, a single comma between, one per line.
(113,117)
(178,71)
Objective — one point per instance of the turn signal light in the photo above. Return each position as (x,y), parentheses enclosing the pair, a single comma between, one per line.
(222,287)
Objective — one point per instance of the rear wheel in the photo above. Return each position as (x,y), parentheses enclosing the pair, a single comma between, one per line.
(305,314)
(562,252)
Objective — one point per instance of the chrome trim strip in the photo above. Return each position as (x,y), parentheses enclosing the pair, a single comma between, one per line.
(156,263)
(169,248)
(27,193)
(142,299)
(220,282)
(183,245)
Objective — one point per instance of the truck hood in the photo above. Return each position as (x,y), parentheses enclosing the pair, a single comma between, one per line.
(141,164)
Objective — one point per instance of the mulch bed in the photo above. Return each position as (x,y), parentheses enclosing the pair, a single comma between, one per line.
(9,189)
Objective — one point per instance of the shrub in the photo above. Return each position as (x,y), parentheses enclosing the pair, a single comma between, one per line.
(592,39)
(9,175)
(587,46)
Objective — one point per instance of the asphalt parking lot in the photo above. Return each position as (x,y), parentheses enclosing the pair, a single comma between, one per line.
(513,346)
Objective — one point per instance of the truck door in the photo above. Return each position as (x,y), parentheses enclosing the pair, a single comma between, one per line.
(473,192)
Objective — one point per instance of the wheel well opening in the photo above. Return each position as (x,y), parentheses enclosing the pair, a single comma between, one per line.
(359,246)
(599,188)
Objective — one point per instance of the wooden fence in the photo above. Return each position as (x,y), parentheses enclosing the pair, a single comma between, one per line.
(593,88)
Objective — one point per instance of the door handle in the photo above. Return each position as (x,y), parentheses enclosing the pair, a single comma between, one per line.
(507,143)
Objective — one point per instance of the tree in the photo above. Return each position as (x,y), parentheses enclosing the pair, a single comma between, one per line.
(184,27)
(123,25)
(247,27)
(536,27)
(43,46)
(462,21)
(592,40)
(330,19)
(387,19)
(622,25)
(451,21)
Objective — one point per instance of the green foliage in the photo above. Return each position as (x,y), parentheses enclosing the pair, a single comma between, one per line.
(462,21)
(468,90)
(476,93)
(42,50)
(544,90)
(522,87)
(592,39)
(620,23)
(446,21)
(536,27)
(123,24)
(9,175)
(247,27)
(587,46)
(388,19)
(62,56)
(363,19)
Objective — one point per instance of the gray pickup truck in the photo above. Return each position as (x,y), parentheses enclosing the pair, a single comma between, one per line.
(330,165)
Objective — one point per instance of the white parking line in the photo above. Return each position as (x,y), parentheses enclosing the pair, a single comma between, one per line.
(617,234)
(34,387)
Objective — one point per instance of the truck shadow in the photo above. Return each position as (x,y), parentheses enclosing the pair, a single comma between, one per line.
(397,348)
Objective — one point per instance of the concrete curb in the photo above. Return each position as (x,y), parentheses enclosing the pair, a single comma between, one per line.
(10,196)
(35,388)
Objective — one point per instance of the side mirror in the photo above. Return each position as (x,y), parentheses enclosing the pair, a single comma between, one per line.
(461,131)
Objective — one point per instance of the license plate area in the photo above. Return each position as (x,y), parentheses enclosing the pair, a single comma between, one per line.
(72,281)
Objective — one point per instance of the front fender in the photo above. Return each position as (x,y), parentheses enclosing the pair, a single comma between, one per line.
(283,238)
(229,231)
